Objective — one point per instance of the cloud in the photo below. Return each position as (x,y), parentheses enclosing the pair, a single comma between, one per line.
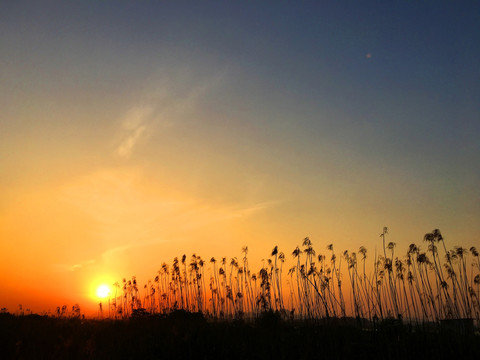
(134,124)
(173,97)
(192,219)
(125,148)
(205,215)
(65,267)
(111,251)
(250,210)
(130,212)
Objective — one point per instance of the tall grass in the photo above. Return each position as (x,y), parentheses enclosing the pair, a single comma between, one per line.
(428,283)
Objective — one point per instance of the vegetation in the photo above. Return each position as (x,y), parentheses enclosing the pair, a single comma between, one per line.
(419,287)
(181,334)
(422,304)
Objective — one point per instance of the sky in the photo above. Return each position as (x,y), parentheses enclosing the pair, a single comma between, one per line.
(133,132)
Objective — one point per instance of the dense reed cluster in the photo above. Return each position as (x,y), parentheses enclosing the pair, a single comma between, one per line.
(421,286)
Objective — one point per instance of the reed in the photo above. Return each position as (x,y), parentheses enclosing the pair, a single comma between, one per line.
(422,286)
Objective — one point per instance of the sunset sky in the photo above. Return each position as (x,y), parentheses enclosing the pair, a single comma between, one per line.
(135,131)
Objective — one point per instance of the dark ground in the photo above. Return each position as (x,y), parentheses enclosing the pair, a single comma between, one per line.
(190,336)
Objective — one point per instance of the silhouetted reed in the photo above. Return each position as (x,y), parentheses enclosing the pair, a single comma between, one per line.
(422,286)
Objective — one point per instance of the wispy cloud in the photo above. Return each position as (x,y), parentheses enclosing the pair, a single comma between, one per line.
(193,218)
(202,214)
(125,148)
(65,267)
(130,213)
(163,106)
(250,210)
(112,251)
(134,124)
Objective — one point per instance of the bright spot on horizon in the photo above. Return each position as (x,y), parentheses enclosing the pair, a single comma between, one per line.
(103,291)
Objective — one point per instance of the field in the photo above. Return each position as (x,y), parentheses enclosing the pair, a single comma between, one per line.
(421,305)
(417,288)
(191,335)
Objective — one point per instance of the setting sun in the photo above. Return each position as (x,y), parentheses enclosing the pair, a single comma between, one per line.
(103,291)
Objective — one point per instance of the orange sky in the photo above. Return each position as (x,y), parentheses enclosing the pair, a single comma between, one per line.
(65,239)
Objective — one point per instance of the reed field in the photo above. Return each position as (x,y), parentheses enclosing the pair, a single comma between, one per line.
(427,283)
(423,303)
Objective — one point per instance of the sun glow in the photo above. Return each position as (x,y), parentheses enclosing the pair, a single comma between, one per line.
(103,291)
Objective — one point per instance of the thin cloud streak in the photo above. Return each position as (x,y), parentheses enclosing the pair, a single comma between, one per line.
(129,214)
(164,107)
(198,217)
(112,251)
(71,268)
(134,124)
(125,148)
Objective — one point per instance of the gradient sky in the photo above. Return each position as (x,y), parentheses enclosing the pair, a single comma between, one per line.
(135,131)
